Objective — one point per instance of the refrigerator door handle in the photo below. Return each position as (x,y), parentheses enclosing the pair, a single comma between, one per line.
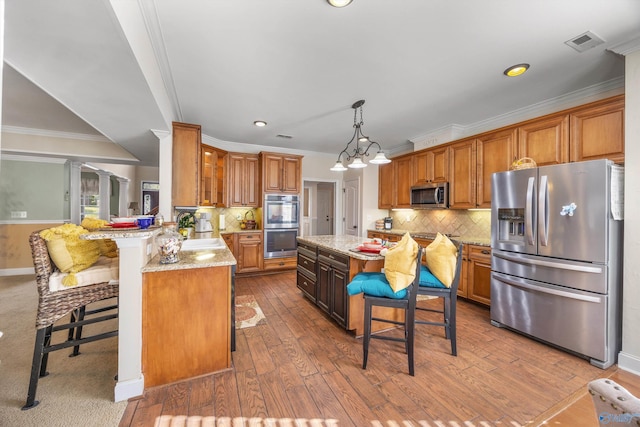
(528,211)
(543,211)
(550,264)
(557,292)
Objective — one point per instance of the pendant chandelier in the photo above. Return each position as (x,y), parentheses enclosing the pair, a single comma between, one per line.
(363,144)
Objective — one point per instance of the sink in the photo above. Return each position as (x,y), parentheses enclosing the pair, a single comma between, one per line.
(203,244)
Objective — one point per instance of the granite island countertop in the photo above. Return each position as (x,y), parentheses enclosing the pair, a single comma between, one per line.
(341,244)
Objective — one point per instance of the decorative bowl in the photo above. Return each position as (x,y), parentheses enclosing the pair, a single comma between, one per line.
(144,222)
(123,220)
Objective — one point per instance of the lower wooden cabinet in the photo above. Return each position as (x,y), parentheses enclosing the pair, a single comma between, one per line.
(288,263)
(186,323)
(333,278)
(249,253)
(479,274)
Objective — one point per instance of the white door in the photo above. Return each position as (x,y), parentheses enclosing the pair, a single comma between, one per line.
(351,207)
(325,196)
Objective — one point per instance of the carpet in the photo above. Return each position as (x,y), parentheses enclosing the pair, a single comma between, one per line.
(248,312)
(78,391)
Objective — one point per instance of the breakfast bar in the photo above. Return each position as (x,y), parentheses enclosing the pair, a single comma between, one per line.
(206,276)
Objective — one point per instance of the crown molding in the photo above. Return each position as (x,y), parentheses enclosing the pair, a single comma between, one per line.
(55,134)
(37,159)
(627,47)
(572,99)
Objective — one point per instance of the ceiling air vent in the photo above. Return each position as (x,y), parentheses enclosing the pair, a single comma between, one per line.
(284,136)
(584,41)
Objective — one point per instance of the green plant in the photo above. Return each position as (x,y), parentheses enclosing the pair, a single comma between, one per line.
(187,220)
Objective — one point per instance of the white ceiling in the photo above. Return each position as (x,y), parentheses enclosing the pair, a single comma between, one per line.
(122,68)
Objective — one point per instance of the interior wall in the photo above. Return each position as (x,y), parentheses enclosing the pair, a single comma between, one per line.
(629,357)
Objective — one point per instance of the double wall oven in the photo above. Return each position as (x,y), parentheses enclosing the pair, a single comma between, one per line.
(281,222)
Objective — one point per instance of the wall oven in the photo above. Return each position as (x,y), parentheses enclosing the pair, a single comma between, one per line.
(280,242)
(281,211)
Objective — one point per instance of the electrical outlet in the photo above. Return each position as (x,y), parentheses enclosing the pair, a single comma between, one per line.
(18,214)
(239,217)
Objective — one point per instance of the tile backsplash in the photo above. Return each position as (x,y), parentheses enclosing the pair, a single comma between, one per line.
(472,223)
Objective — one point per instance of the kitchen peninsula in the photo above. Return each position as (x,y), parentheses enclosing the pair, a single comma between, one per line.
(175,320)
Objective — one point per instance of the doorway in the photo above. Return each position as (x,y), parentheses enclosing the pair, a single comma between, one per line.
(318,209)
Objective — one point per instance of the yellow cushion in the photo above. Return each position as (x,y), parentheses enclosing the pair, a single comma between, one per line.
(400,263)
(441,256)
(108,247)
(83,253)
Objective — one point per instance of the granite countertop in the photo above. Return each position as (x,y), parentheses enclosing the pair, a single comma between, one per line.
(469,240)
(121,233)
(341,244)
(193,259)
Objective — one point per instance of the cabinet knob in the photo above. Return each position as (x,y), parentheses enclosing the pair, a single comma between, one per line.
(485,252)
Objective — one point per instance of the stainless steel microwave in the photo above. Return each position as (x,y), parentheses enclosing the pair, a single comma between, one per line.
(430,195)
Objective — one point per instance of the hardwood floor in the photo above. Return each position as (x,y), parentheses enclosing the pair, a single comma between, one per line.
(301,368)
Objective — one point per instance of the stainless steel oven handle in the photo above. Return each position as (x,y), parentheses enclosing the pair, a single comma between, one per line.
(555,292)
(550,264)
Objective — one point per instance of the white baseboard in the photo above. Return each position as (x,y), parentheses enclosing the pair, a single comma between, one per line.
(127,389)
(17,271)
(629,362)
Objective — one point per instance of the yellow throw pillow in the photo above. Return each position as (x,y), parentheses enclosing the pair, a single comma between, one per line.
(59,253)
(400,263)
(108,247)
(84,253)
(441,257)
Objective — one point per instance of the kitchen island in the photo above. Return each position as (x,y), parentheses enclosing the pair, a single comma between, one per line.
(211,269)
(326,265)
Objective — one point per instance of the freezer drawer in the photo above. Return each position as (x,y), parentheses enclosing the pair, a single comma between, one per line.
(574,320)
(584,276)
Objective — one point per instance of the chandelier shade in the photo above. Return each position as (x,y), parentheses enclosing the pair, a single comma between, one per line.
(356,153)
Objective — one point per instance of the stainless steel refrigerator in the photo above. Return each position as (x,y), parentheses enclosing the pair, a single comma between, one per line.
(556,239)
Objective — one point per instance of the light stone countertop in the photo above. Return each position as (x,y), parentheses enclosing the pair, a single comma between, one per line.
(341,244)
(193,259)
(467,240)
(121,233)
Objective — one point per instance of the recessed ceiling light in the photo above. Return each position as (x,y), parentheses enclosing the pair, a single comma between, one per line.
(260,123)
(339,3)
(516,70)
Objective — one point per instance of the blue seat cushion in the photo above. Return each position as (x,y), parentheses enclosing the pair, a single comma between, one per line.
(375,284)
(428,279)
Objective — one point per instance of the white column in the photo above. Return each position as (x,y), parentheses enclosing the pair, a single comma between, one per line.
(104,191)
(123,200)
(165,140)
(75,192)
(133,255)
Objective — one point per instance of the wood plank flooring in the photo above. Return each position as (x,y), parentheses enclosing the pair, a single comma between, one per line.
(301,368)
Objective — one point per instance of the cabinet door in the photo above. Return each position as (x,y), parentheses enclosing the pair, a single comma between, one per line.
(479,274)
(291,174)
(546,141)
(462,286)
(322,285)
(185,164)
(208,176)
(252,179)
(462,170)
(494,153)
(438,164)
(598,132)
(339,282)
(272,173)
(420,162)
(250,255)
(403,170)
(385,185)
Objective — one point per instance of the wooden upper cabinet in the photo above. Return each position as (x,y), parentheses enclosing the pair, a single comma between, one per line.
(546,140)
(185,186)
(281,173)
(462,174)
(431,165)
(494,153)
(597,131)
(212,189)
(403,171)
(385,185)
(243,184)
